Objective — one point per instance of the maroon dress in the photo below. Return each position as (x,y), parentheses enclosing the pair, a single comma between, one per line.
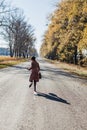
(34,71)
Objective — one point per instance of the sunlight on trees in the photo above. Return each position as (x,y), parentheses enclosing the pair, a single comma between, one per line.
(66,36)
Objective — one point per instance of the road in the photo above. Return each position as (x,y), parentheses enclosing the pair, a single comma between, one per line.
(60,105)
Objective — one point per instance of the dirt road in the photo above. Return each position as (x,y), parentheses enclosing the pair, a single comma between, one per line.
(60,105)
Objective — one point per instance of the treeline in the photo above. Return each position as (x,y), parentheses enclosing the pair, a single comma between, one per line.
(66,36)
(16,31)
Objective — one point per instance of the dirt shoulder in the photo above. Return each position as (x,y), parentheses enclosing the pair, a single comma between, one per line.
(74,69)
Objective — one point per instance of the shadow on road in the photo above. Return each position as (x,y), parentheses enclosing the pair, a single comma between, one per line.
(53,97)
(18,67)
(14,66)
(55,72)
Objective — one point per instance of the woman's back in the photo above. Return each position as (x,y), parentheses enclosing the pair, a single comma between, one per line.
(35,65)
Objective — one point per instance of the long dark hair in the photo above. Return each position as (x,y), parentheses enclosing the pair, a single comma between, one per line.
(33,58)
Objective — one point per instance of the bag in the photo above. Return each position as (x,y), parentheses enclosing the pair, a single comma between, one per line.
(40,76)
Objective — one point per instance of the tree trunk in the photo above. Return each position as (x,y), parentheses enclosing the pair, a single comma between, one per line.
(11,52)
(75,56)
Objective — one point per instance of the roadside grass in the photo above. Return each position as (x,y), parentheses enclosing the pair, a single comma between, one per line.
(6,61)
(74,69)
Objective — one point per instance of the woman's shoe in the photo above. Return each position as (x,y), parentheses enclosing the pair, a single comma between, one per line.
(35,93)
(30,85)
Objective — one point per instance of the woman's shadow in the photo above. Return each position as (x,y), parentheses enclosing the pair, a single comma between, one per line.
(53,97)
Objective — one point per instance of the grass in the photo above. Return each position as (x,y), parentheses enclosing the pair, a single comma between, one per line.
(6,61)
(74,69)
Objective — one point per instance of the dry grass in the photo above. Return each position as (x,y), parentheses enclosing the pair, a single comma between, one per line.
(6,61)
(75,69)
(8,58)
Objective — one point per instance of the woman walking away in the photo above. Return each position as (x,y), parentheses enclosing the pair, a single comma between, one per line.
(34,77)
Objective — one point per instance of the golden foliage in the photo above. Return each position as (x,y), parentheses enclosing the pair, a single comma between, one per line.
(67,31)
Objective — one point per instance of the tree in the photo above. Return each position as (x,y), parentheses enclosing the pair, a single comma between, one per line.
(66,33)
(18,33)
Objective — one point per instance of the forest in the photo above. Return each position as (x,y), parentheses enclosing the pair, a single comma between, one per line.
(66,36)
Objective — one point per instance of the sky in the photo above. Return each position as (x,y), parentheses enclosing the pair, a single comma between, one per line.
(36,12)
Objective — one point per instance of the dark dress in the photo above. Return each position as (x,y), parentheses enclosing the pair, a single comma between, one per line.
(34,76)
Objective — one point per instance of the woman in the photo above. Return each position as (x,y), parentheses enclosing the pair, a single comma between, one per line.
(34,77)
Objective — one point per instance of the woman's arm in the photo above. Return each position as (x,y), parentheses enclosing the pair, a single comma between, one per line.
(30,67)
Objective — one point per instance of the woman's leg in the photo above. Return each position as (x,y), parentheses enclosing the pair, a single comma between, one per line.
(34,86)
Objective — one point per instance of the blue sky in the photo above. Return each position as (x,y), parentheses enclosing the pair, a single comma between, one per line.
(36,11)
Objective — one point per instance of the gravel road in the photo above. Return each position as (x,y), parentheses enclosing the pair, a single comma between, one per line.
(61,103)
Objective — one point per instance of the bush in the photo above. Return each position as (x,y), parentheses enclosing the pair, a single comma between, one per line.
(83,62)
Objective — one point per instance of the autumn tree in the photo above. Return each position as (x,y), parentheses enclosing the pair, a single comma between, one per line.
(66,33)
